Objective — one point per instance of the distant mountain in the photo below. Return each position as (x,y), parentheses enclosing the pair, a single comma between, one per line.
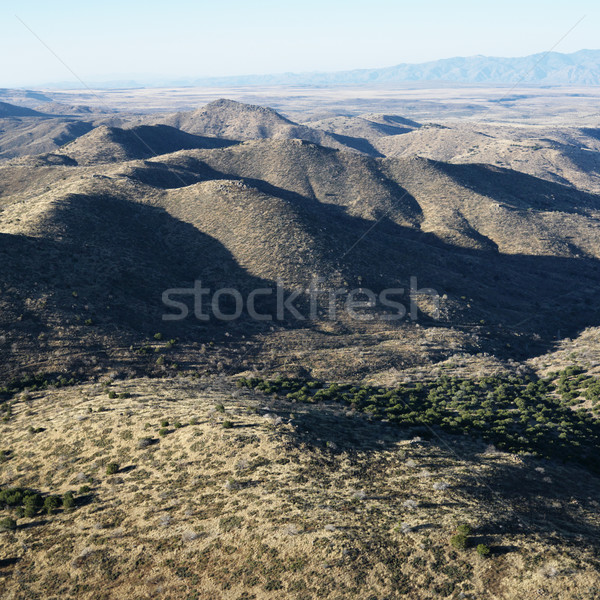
(551,68)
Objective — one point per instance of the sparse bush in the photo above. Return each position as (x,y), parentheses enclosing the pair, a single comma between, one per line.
(8,524)
(158,336)
(112,395)
(68,501)
(483,550)
(459,541)
(144,443)
(164,423)
(193,421)
(51,504)
(464,529)
(112,468)
(163,431)
(220,408)
(33,503)
(227,424)
(85,489)
(177,425)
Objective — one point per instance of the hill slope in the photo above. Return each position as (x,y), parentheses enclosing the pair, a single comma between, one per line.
(11,110)
(501,248)
(564,155)
(242,497)
(237,121)
(114,144)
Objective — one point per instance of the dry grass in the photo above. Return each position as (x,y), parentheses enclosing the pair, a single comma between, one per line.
(290,501)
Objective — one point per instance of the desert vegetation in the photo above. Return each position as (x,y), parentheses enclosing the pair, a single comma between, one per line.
(542,417)
(295,498)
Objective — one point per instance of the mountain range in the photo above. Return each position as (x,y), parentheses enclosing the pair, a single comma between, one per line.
(545,68)
(236,195)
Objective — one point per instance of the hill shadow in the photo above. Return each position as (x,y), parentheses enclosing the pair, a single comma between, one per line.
(519,190)
(106,262)
(520,500)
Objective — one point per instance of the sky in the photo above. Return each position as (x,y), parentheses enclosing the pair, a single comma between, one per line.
(151,40)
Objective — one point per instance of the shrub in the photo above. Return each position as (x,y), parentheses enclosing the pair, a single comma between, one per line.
(193,421)
(8,524)
(483,550)
(177,425)
(144,443)
(220,408)
(464,529)
(112,468)
(51,503)
(112,395)
(164,423)
(459,541)
(68,501)
(85,489)
(227,424)
(158,336)
(11,497)
(33,503)
(162,432)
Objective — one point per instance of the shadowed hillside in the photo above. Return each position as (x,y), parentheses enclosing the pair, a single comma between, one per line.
(492,242)
(11,110)
(113,144)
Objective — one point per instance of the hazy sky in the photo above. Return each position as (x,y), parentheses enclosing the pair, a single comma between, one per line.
(124,39)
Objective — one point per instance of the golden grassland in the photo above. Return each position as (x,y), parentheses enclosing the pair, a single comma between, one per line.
(243,496)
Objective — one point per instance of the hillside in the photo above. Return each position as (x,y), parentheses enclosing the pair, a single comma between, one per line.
(195,488)
(564,155)
(368,126)
(243,358)
(500,248)
(237,121)
(114,144)
(27,136)
(11,110)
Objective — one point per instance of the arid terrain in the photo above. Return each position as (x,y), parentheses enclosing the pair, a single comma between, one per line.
(443,445)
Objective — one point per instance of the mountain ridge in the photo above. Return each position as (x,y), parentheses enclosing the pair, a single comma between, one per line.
(545,68)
